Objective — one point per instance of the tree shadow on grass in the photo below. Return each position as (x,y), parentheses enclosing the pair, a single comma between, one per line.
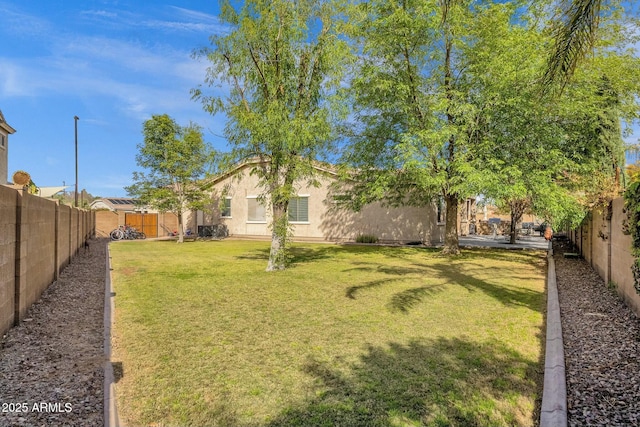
(507,295)
(303,254)
(478,255)
(300,253)
(439,382)
(407,299)
(444,275)
(400,301)
(296,254)
(255,255)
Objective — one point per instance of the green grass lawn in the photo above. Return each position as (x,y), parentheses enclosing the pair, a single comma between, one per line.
(347,336)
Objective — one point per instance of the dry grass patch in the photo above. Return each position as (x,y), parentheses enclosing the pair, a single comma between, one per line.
(353,336)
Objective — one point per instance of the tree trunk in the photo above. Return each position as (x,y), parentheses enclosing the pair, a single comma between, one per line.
(279,230)
(180,229)
(513,231)
(517,210)
(451,244)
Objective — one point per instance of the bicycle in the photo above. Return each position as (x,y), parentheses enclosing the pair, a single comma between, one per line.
(126,233)
(116,234)
(131,233)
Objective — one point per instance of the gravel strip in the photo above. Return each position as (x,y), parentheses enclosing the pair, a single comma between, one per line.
(602,347)
(51,365)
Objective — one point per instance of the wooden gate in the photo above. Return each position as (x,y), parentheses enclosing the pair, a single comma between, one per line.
(147,223)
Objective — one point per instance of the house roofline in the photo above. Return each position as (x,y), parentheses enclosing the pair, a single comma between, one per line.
(4,125)
(7,128)
(255,161)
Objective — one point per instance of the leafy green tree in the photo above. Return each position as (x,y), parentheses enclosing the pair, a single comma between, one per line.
(174,159)
(415,133)
(282,63)
(517,136)
(598,103)
(555,155)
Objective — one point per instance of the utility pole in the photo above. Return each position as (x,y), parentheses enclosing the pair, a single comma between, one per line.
(76,118)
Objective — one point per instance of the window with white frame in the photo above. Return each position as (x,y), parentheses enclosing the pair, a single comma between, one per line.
(440,210)
(255,210)
(225,207)
(299,209)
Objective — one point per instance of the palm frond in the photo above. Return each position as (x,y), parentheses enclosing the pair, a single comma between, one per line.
(574,37)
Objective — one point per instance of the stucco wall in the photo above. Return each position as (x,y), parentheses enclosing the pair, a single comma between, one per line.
(106,221)
(406,224)
(168,223)
(602,241)
(327,221)
(37,252)
(37,239)
(622,259)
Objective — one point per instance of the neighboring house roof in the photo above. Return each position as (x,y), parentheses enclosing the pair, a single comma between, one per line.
(4,125)
(115,204)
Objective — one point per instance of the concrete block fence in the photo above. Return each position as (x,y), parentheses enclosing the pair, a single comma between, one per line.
(38,238)
(605,244)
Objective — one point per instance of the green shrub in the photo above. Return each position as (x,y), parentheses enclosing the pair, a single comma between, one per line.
(366,238)
(632,206)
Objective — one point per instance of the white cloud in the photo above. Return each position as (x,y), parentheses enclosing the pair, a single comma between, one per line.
(99,13)
(142,79)
(108,185)
(108,54)
(178,20)
(191,70)
(19,24)
(212,24)
(11,75)
(110,181)
(195,14)
(95,64)
(183,26)
(96,122)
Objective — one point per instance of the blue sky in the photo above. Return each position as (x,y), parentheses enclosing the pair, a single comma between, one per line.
(112,63)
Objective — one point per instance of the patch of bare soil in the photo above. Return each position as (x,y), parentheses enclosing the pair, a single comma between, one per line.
(51,365)
(602,347)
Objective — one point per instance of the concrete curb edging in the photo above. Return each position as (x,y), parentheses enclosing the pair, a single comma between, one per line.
(553,412)
(110,410)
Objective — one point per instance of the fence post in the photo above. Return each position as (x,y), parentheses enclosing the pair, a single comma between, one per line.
(20,275)
(56,251)
(78,231)
(591,240)
(609,240)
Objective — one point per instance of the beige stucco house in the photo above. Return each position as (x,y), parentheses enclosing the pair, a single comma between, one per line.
(314,214)
(5,131)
